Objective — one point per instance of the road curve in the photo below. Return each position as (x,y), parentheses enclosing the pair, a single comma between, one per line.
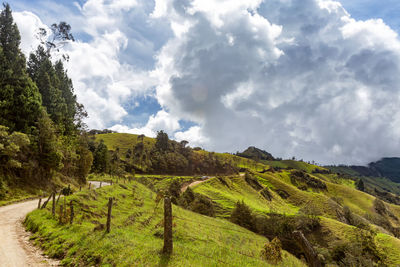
(15,248)
(183,189)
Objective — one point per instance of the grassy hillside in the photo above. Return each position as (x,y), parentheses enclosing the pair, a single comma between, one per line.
(325,204)
(136,235)
(123,141)
(346,226)
(292,164)
(382,184)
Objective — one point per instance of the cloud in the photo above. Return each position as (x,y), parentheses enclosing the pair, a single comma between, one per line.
(103,81)
(28,25)
(297,78)
(160,121)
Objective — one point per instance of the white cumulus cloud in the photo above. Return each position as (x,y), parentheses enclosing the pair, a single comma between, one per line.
(298,78)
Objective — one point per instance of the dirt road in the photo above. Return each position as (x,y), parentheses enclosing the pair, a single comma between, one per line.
(15,249)
(183,189)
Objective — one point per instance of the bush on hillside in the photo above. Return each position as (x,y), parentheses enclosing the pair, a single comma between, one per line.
(360,252)
(299,178)
(174,191)
(379,206)
(243,216)
(202,205)
(197,203)
(272,251)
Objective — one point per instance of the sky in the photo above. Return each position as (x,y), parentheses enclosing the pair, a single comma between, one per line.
(314,79)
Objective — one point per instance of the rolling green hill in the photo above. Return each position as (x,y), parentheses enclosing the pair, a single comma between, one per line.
(345,226)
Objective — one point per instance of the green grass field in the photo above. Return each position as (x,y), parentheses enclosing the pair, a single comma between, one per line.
(136,234)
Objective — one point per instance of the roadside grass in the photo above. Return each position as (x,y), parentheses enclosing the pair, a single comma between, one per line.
(136,233)
(18,194)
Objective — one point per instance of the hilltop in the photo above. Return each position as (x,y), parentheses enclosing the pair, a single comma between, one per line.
(255,154)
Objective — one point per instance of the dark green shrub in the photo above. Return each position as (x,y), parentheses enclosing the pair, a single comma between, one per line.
(360,252)
(300,177)
(186,198)
(379,206)
(202,205)
(174,191)
(272,251)
(243,216)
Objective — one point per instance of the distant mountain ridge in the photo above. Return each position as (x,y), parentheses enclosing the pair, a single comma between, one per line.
(255,154)
(385,167)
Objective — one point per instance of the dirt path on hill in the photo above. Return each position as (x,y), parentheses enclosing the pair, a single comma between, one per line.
(184,187)
(15,248)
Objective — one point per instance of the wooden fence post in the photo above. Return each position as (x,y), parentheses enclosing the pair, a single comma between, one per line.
(59,195)
(53,209)
(71,217)
(61,214)
(110,200)
(80,188)
(40,201)
(311,255)
(100,184)
(65,207)
(90,185)
(47,201)
(167,226)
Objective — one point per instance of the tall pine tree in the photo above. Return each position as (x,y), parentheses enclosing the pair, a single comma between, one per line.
(43,73)
(20,100)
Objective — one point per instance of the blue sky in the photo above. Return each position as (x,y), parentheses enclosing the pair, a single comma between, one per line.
(297,78)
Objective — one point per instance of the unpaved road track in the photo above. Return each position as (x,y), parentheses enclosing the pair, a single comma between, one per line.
(183,189)
(15,249)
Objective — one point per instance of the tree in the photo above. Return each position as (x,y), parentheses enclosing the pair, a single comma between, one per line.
(360,185)
(43,73)
(10,148)
(101,159)
(162,141)
(59,36)
(242,215)
(57,91)
(85,159)
(49,147)
(20,100)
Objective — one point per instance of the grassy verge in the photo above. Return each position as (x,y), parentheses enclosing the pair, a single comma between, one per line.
(136,234)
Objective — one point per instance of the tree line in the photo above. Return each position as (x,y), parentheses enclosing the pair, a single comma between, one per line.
(41,122)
